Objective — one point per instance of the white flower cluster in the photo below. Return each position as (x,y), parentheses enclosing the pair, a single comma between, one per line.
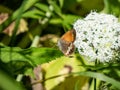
(98,36)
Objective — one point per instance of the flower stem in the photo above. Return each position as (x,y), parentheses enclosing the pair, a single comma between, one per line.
(95,78)
(94,83)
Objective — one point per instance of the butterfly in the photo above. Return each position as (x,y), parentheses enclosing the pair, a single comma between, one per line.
(66,42)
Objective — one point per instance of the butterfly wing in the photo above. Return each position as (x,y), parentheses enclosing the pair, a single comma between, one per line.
(65,43)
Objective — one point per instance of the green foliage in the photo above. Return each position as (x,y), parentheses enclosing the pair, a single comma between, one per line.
(102,77)
(8,83)
(31,56)
(112,7)
(48,19)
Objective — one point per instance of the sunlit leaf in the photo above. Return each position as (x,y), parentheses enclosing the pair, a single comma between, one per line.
(63,65)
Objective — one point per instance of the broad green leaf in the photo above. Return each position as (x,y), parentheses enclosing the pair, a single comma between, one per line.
(44,55)
(8,83)
(60,66)
(13,54)
(32,55)
(20,60)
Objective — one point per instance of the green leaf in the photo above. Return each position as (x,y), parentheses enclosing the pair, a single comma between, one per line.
(63,65)
(8,83)
(112,6)
(33,56)
(20,60)
(17,22)
(36,14)
(102,77)
(77,85)
(61,3)
(13,54)
(55,21)
(83,7)
(44,55)
(57,9)
(42,7)
(68,20)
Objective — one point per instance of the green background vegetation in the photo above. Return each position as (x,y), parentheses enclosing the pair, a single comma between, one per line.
(29,56)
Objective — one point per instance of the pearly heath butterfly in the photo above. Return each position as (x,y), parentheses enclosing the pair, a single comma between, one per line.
(65,43)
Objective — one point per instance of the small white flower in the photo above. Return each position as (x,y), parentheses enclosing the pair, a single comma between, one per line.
(98,36)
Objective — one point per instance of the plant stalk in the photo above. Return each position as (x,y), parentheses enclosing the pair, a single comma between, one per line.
(95,78)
